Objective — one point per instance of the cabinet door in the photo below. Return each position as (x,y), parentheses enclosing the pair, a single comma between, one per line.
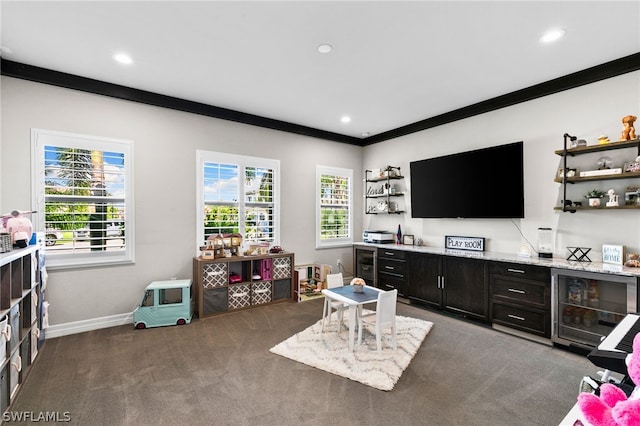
(466,286)
(424,276)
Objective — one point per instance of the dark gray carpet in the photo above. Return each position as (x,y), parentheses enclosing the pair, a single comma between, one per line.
(219,371)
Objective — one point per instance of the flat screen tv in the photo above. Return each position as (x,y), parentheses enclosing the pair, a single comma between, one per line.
(486,183)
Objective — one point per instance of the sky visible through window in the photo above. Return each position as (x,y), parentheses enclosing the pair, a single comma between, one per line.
(220,183)
(113,165)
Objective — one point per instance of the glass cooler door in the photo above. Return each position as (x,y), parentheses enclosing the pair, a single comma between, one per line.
(365,265)
(588,305)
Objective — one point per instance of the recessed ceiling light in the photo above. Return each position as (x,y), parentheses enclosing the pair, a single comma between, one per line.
(123,58)
(345,119)
(552,35)
(325,48)
(365,134)
(4,50)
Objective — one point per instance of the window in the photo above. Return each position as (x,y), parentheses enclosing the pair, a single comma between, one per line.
(334,210)
(170,296)
(83,193)
(238,194)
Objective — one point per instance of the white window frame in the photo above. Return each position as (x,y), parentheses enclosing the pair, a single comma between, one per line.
(241,161)
(334,242)
(41,138)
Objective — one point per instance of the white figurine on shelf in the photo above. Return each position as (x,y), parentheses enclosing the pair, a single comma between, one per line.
(613,198)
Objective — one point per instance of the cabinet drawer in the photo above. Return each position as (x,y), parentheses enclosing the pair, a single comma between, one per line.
(520,290)
(281,289)
(214,275)
(535,321)
(260,292)
(214,300)
(239,296)
(391,266)
(390,282)
(530,272)
(281,268)
(392,254)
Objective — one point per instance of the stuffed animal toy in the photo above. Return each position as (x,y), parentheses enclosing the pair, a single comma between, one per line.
(19,227)
(613,408)
(628,132)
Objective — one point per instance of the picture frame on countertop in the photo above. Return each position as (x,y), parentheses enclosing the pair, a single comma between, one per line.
(408,240)
(613,254)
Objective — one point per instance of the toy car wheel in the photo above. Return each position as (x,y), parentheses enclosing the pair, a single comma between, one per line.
(140,326)
(181,321)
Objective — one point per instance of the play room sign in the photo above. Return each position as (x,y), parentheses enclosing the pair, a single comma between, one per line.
(464,243)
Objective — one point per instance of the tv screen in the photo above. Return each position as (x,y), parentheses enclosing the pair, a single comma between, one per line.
(486,183)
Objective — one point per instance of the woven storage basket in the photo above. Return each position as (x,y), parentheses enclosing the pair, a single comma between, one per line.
(5,243)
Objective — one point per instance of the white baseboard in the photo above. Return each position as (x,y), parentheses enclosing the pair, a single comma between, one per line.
(60,330)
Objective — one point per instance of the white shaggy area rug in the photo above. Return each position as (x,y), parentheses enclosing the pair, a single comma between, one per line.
(329,351)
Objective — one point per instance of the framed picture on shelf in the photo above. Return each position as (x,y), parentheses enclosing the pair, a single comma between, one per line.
(631,167)
(407,240)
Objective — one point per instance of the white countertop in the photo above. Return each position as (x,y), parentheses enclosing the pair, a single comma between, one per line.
(514,258)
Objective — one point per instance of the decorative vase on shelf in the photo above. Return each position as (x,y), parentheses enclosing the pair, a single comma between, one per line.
(594,197)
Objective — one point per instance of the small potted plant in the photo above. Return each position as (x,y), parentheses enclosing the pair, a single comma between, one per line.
(594,197)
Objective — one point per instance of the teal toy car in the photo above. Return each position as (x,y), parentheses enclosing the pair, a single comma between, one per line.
(165,303)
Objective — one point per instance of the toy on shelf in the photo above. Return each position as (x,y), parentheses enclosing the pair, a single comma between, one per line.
(218,245)
(628,132)
(18,227)
(613,198)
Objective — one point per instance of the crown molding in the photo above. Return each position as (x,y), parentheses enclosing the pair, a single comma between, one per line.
(570,81)
(580,78)
(75,82)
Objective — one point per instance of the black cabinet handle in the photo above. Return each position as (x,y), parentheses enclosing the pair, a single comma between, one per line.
(516,317)
(519,271)
(388,253)
(515,290)
(391,268)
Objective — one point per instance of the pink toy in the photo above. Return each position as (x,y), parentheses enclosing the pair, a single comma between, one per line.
(613,408)
(19,227)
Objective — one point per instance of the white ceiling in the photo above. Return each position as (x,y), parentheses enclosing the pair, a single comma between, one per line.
(393,63)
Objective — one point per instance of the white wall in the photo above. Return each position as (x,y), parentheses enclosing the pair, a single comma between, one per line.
(165,144)
(586,112)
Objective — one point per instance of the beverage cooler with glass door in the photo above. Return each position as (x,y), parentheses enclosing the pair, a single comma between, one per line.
(586,306)
(365,264)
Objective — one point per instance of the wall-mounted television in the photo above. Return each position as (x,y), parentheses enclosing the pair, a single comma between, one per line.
(486,183)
